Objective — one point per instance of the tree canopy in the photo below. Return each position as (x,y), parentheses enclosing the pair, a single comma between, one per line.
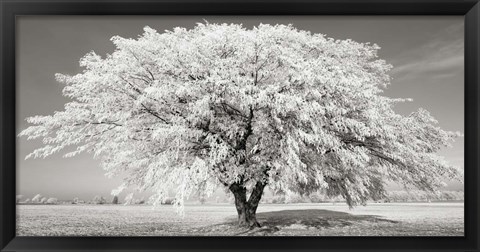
(222,105)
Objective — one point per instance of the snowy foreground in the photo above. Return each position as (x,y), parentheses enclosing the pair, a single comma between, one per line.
(326,219)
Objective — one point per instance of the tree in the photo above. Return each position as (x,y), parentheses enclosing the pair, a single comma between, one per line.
(129,200)
(99,200)
(202,200)
(115,200)
(221,105)
(52,201)
(37,198)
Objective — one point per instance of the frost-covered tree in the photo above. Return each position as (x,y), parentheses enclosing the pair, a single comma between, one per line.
(37,198)
(43,200)
(129,200)
(244,109)
(52,201)
(99,200)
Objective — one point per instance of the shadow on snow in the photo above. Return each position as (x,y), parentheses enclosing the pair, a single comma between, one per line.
(299,219)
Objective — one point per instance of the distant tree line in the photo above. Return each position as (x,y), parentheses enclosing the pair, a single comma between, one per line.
(37,199)
(412,196)
(96,200)
(317,197)
(391,196)
(40,199)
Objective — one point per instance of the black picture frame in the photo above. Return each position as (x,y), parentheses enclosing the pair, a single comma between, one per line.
(9,9)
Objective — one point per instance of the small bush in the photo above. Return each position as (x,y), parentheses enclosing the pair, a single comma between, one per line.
(115,200)
(19,198)
(139,201)
(52,201)
(168,201)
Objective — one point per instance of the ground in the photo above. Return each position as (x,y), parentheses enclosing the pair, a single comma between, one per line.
(325,219)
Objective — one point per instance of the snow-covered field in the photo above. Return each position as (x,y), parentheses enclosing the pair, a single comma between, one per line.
(326,219)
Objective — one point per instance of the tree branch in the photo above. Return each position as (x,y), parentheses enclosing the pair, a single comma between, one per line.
(154,114)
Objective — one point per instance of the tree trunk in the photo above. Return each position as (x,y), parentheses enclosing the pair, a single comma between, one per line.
(246,210)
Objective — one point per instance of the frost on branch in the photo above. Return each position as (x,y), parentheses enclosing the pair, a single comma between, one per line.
(224,105)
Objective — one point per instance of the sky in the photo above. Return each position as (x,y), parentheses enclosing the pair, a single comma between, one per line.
(427,54)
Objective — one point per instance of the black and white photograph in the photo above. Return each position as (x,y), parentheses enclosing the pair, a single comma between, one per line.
(240,126)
